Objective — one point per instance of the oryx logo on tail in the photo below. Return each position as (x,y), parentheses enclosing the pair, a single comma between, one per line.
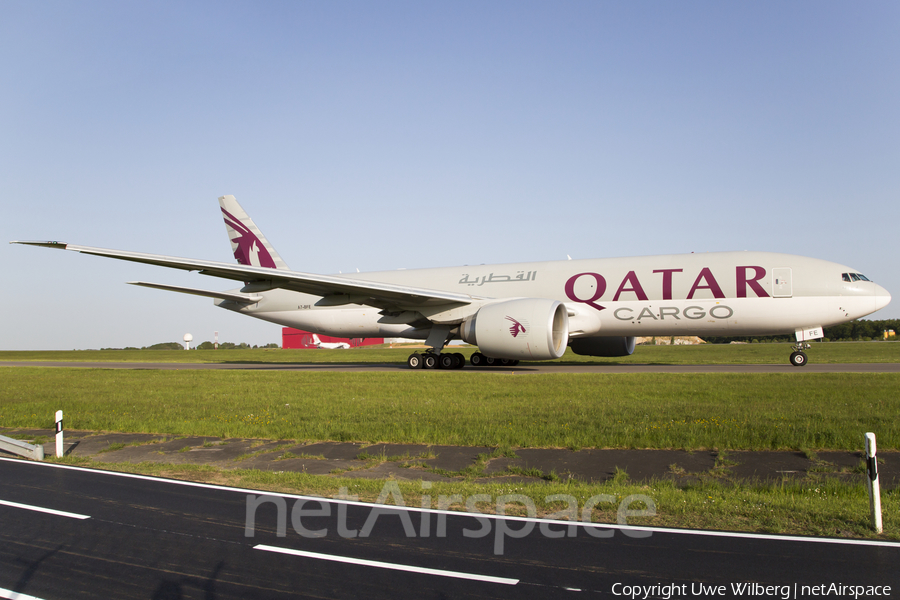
(248,243)
(248,250)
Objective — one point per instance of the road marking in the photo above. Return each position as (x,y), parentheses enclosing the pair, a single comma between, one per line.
(370,505)
(385,565)
(16,595)
(49,511)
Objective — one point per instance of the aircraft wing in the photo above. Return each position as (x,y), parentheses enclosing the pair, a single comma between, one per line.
(335,290)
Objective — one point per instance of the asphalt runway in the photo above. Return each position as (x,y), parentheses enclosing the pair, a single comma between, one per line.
(73,532)
(531,368)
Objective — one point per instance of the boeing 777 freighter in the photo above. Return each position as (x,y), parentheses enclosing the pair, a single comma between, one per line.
(533,311)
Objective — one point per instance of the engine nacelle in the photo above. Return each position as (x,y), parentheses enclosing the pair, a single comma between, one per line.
(520,329)
(603,346)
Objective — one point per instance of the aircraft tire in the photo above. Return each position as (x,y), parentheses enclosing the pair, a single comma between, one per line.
(799,359)
(447,361)
(429,361)
(460,360)
(507,362)
(489,362)
(414,361)
(477,359)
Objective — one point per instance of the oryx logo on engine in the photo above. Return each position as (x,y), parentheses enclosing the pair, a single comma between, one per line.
(517,327)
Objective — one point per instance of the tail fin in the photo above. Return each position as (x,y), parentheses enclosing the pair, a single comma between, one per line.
(249,245)
(316,339)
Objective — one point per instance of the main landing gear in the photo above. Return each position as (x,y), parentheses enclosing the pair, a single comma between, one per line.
(435,359)
(446,360)
(798,357)
(480,360)
(430,360)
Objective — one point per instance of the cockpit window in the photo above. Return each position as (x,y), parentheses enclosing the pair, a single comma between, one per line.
(851,277)
(854,276)
(846,277)
(863,277)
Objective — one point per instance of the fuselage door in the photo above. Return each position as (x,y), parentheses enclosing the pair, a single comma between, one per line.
(781,282)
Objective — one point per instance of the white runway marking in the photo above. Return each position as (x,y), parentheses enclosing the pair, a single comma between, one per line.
(385,565)
(16,595)
(49,511)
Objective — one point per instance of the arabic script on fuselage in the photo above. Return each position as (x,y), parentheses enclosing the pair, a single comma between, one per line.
(520,276)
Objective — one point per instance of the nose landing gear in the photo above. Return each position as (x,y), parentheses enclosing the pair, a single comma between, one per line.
(798,357)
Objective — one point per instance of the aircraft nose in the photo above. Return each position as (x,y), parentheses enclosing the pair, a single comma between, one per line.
(882,297)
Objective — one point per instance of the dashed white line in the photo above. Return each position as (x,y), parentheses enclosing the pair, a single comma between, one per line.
(11,595)
(385,565)
(49,511)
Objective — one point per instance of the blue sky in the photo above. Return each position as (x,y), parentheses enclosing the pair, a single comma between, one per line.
(382,135)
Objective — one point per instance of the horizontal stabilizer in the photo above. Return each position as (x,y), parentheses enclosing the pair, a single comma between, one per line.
(244,299)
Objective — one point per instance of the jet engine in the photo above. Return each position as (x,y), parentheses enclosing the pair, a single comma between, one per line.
(520,329)
(603,346)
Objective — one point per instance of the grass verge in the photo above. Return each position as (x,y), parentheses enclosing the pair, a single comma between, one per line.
(691,411)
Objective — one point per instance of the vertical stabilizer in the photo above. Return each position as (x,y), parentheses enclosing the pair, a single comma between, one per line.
(249,245)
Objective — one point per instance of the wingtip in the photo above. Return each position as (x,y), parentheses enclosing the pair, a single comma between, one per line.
(60,245)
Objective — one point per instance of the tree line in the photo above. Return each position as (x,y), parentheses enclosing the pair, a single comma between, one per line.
(230,346)
(203,346)
(859,330)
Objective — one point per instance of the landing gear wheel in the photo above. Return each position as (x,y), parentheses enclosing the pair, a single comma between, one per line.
(447,361)
(490,362)
(507,362)
(429,361)
(414,361)
(798,359)
(460,360)
(477,359)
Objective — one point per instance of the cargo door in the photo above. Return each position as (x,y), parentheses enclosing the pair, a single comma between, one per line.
(781,282)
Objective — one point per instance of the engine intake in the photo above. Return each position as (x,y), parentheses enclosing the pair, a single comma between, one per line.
(520,329)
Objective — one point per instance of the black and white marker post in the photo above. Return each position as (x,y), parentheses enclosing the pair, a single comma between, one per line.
(59,434)
(872,482)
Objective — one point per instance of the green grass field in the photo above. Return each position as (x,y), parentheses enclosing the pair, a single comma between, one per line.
(821,352)
(689,411)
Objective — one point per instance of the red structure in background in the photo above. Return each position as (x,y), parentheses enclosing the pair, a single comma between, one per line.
(294,338)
